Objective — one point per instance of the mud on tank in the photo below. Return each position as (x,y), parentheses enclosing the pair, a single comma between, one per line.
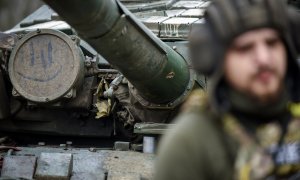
(116,73)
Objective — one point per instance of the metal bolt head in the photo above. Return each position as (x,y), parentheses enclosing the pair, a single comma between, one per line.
(88,63)
(91,149)
(69,143)
(38,31)
(115,87)
(69,95)
(14,92)
(41,143)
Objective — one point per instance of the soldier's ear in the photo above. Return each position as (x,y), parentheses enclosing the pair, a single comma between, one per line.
(202,50)
(199,54)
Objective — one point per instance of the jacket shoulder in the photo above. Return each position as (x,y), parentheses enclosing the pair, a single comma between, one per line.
(193,149)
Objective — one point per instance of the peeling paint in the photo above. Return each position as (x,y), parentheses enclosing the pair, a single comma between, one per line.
(170,75)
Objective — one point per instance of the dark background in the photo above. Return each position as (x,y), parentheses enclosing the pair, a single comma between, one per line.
(13,11)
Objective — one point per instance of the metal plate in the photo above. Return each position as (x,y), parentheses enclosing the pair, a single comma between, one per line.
(193,13)
(92,163)
(18,167)
(45,65)
(187,4)
(153,23)
(54,166)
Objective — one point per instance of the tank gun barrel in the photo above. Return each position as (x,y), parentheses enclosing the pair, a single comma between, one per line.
(159,74)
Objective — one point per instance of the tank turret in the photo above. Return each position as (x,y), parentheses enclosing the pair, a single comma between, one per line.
(158,72)
(92,68)
(87,83)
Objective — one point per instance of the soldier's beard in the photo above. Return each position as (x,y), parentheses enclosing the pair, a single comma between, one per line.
(269,107)
(267,97)
(266,86)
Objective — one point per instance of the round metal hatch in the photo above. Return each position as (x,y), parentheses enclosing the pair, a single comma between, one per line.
(45,65)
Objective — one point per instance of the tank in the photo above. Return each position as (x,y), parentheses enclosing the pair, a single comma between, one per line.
(87,87)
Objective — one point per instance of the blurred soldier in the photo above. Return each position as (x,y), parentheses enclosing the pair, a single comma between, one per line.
(249,127)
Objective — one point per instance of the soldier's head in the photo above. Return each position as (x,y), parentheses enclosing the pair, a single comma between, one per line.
(245,46)
(255,64)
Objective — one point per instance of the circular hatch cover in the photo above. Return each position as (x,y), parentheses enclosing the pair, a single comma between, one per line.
(45,65)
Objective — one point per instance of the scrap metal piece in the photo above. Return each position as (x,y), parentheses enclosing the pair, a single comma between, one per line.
(18,167)
(54,166)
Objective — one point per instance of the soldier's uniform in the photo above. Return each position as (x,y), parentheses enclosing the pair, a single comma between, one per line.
(228,135)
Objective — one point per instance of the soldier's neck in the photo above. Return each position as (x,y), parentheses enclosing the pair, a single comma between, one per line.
(249,107)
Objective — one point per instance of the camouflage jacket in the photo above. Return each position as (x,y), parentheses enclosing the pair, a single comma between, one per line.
(204,145)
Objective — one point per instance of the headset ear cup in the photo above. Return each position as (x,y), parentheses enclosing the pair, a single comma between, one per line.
(294,22)
(202,50)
